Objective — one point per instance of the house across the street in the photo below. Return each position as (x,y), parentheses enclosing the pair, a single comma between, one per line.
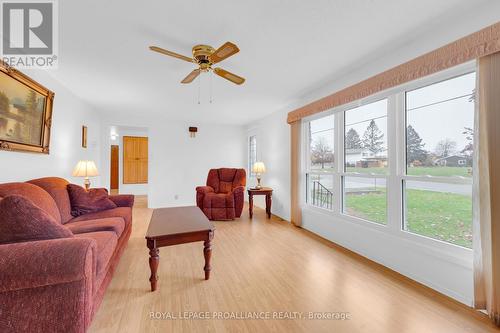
(452,161)
(364,158)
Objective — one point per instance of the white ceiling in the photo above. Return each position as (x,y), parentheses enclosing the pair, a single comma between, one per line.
(287,47)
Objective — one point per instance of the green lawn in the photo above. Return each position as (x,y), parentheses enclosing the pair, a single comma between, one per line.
(440,171)
(368,206)
(443,216)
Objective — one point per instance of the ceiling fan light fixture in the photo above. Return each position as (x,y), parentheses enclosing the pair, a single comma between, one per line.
(205,56)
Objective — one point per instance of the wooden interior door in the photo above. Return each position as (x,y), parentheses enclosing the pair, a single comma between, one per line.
(135,160)
(142,164)
(114,167)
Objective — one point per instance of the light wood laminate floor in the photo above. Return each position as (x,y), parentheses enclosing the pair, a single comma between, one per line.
(263,265)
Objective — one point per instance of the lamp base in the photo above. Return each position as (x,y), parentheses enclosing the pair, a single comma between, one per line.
(258,187)
(86,183)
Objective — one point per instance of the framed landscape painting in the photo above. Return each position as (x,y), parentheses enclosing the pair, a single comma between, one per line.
(25,112)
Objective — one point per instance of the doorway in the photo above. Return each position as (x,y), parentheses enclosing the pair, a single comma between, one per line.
(114,168)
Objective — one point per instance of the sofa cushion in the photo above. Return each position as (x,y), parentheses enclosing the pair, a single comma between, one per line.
(106,244)
(115,224)
(56,187)
(220,214)
(23,221)
(91,201)
(37,195)
(218,200)
(125,212)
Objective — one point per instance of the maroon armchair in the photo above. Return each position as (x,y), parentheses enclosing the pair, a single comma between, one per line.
(223,197)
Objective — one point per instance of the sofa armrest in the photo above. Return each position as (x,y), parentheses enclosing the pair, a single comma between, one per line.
(239,189)
(204,189)
(48,262)
(47,286)
(123,200)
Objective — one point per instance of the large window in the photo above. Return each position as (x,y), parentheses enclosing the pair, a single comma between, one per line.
(400,160)
(252,153)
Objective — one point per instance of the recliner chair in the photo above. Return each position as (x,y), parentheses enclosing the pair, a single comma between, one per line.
(223,196)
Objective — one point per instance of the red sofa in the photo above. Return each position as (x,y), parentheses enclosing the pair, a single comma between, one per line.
(57,285)
(223,197)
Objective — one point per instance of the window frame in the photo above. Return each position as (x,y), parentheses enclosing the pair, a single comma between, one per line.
(396,157)
(249,152)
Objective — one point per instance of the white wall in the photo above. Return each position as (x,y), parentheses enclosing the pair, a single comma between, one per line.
(273,148)
(178,163)
(444,272)
(69,114)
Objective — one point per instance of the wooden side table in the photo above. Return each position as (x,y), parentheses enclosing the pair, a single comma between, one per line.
(267,191)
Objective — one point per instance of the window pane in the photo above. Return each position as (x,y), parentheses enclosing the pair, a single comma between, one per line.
(366,138)
(440,211)
(320,190)
(252,154)
(366,198)
(439,133)
(321,143)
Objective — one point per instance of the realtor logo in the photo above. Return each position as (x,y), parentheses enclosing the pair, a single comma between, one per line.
(29,34)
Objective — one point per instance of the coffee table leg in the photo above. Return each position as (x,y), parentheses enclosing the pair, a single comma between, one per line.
(207,252)
(154,260)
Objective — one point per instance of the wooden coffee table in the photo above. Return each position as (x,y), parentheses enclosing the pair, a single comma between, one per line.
(178,225)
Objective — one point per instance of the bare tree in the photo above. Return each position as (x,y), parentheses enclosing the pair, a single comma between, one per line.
(321,152)
(469,137)
(445,148)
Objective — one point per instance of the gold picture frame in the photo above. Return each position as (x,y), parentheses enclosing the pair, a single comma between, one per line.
(25,112)
(84,136)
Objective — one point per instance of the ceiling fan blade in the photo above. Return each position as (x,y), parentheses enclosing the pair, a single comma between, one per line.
(223,52)
(229,76)
(191,76)
(170,53)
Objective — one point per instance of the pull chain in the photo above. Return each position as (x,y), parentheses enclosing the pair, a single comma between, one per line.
(211,74)
(199,89)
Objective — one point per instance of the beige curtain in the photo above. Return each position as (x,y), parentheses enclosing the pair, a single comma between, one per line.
(487,189)
(296,213)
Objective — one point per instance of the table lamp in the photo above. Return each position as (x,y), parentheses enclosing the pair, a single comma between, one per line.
(258,168)
(85,169)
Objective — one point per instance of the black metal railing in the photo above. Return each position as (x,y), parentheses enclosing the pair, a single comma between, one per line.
(321,196)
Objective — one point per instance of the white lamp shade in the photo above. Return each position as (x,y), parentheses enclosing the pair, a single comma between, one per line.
(85,169)
(259,167)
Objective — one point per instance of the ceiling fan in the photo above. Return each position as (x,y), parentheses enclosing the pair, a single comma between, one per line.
(206,56)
